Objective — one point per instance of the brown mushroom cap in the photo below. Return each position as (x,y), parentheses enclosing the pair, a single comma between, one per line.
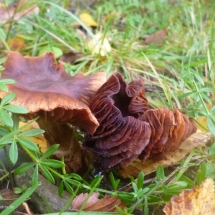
(120,137)
(42,85)
(169,129)
(128,129)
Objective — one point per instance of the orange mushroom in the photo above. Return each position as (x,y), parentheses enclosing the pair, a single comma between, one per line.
(47,91)
(128,129)
(169,129)
(120,137)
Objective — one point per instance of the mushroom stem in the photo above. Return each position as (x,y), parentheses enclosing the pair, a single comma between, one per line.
(70,149)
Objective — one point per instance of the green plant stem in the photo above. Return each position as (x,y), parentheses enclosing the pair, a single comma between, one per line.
(62,176)
(184,167)
(91,191)
(160,183)
(8,162)
(53,35)
(11,23)
(20,200)
(29,152)
(73,16)
(4,42)
(202,101)
(5,176)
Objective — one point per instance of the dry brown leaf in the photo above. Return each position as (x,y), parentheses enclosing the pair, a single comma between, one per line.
(70,57)
(8,197)
(198,201)
(88,20)
(157,37)
(16,43)
(106,204)
(22,9)
(196,140)
(79,200)
(39,139)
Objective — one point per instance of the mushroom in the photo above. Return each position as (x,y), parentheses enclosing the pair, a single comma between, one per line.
(169,129)
(128,129)
(47,91)
(120,137)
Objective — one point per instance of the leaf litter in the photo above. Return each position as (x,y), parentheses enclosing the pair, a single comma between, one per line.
(199,139)
(93,203)
(198,201)
(156,38)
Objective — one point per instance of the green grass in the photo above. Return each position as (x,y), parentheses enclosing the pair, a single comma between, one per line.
(180,69)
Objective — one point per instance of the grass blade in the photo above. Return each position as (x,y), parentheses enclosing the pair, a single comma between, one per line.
(20,200)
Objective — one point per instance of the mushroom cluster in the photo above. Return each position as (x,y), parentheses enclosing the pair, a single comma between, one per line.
(128,128)
(120,127)
(47,91)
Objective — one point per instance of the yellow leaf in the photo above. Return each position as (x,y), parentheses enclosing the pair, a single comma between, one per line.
(39,139)
(202,120)
(2,5)
(196,140)
(197,201)
(16,43)
(99,44)
(88,20)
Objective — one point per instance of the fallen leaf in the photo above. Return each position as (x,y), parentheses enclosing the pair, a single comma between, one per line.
(70,57)
(22,8)
(196,140)
(202,120)
(106,204)
(16,43)
(198,201)
(88,20)
(2,5)
(79,200)
(39,139)
(157,37)
(99,44)
(8,197)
